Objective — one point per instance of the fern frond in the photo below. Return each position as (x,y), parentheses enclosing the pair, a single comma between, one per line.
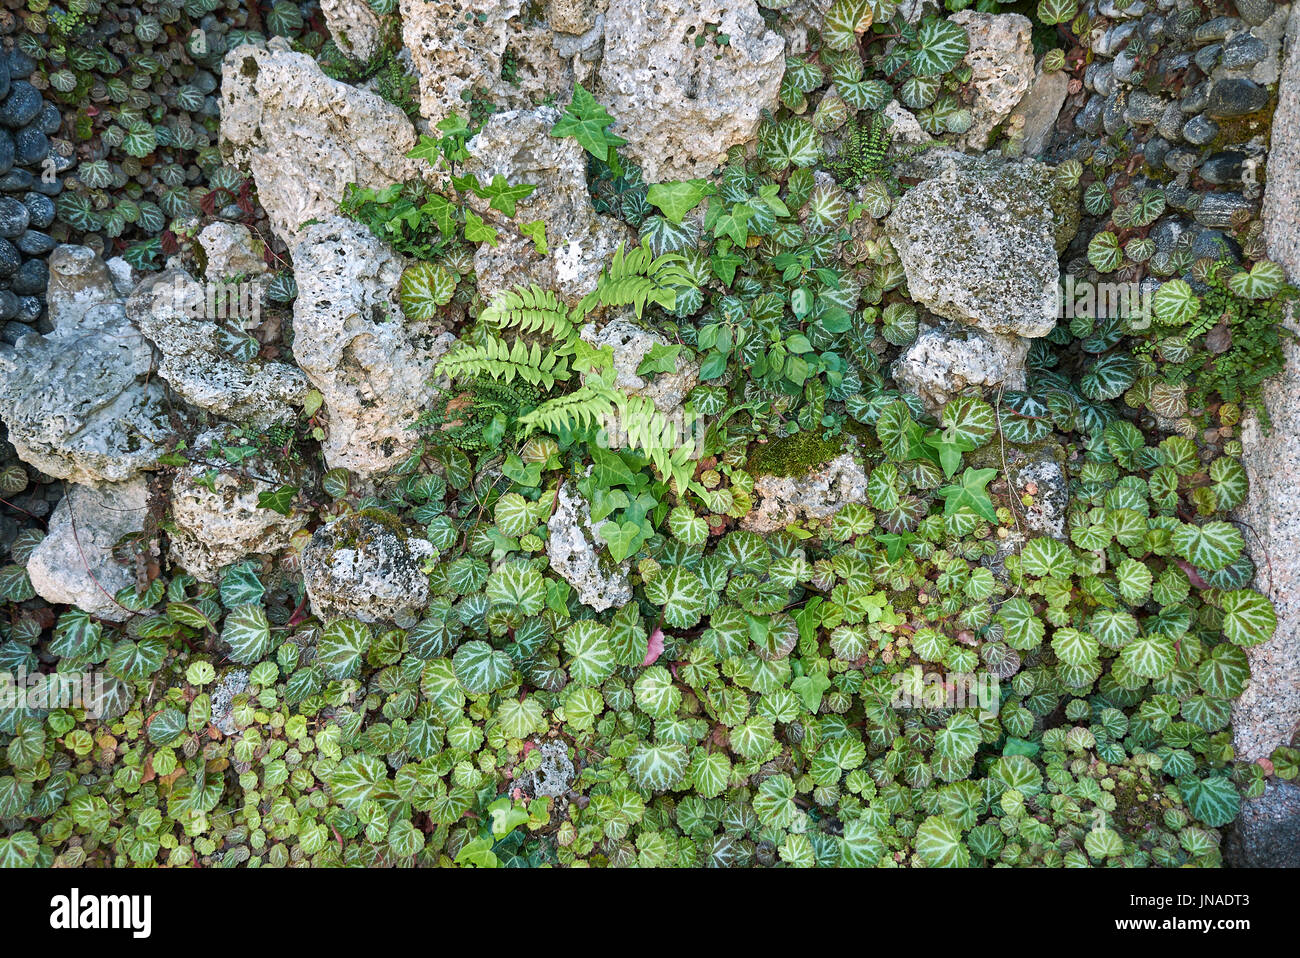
(583,407)
(636,278)
(650,431)
(529,309)
(505,362)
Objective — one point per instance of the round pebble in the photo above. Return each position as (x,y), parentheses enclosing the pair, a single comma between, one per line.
(40,210)
(1200,130)
(22,105)
(30,308)
(9,304)
(1236,97)
(20,64)
(32,278)
(49,120)
(35,243)
(31,146)
(15,180)
(14,217)
(10,259)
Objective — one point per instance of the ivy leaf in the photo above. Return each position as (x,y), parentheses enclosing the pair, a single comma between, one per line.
(732,223)
(502,196)
(969,493)
(587,122)
(476,231)
(536,231)
(662,358)
(810,689)
(279,500)
(678,198)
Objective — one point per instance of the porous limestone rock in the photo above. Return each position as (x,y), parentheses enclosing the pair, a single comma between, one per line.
(303,136)
(1268,712)
(1001,59)
(518,146)
(979,238)
(216,519)
(581,558)
(232,684)
(172,310)
(631,344)
(80,402)
(373,366)
(74,563)
(681,104)
(355,27)
(943,361)
(824,491)
(230,250)
(1034,118)
(368,567)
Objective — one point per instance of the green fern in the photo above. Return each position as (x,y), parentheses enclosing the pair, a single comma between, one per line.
(636,278)
(586,406)
(506,362)
(529,309)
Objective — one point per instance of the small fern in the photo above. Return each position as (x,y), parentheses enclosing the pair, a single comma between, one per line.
(636,278)
(506,362)
(530,310)
(586,406)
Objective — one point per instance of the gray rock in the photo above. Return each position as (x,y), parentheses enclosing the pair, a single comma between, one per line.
(1038,110)
(1236,97)
(1267,835)
(978,241)
(1214,30)
(824,491)
(74,563)
(231,250)
(363,567)
(172,310)
(80,402)
(1200,130)
(1255,11)
(942,362)
(554,776)
(1197,98)
(355,27)
(1217,210)
(303,136)
(1001,59)
(1207,57)
(1144,108)
(631,344)
(1243,50)
(373,366)
(580,556)
(1170,124)
(681,105)
(232,684)
(1223,167)
(1266,714)
(518,146)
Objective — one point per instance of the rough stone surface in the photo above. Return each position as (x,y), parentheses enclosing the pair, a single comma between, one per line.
(363,568)
(1035,115)
(581,558)
(80,401)
(631,344)
(373,366)
(169,308)
(74,563)
(1001,59)
(215,525)
(1267,835)
(518,146)
(945,360)
(232,684)
(979,239)
(1268,711)
(230,250)
(781,500)
(354,26)
(680,105)
(1040,476)
(303,136)
(554,776)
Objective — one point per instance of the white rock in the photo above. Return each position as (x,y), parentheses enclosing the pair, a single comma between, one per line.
(631,344)
(358,567)
(1035,116)
(231,250)
(518,146)
(373,366)
(824,491)
(303,136)
(679,105)
(354,26)
(1001,58)
(171,309)
(581,558)
(74,563)
(944,361)
(219,522)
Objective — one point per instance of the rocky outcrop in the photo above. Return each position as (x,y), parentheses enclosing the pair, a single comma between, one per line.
(1031,123)
(373,366)
(230,250)
(1001,59)
(303,136)
(822,492)
(80,402)
(215,516)
(1268,712)
(979,241)
(518,146)
(176,313)
(944,361)
(354,26)
(74,563)
(631,344)
(579,556)
(682,98)
(366,567)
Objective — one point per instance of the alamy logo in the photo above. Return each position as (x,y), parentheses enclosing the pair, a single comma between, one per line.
(1129,301)
(75,911)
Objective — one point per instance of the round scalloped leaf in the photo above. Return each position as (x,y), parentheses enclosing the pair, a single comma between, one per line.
(1214,800)
(517,587)
(969,418)
(939,844)
(1149,656)
(1057,11)
(1210,546)
(513,515)
(657,768)
(846,20)
(1022,629)
(342,646)
(1263,280)
(1175,303)
(1104,252)
(1248,617)
(1045,557)
(247,632)
(425,287)
(681,594)
(592,661)
(656,693)
(1225,672)
(940,46)
(1109,377)
(480,668)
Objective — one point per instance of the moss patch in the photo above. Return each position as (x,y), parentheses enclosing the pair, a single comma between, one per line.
(794,455)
